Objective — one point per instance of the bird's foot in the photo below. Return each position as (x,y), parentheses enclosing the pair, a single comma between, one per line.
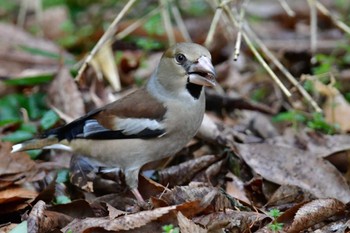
(141,202)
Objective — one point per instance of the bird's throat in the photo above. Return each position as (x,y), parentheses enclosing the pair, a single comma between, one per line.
(194,89)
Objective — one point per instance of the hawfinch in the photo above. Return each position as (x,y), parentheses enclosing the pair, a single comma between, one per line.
(149,124)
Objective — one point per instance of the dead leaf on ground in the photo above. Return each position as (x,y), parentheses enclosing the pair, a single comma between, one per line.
(13,163)
(65,96)
(183,173)
(40,220)
(231,221)
(336,108)
(314,212)
(188,226)
(126,222)
(16,61)
(291,166)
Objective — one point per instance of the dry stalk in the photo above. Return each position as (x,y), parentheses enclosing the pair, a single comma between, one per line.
(167,22)
(138,23)
(179,22)
(256,53)
(279,65)
(213,26)
(336,21)
(287,8)
(313,25)
(239,34)
(105,37)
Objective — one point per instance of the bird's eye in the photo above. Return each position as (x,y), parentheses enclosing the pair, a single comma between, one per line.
(180,58)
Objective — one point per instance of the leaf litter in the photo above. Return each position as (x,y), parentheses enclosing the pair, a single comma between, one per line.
(241,165)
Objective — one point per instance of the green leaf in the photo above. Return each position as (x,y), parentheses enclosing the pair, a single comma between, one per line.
(28,127)
(62,199)
(62,176)
(20,228)
(275,213)
(154,25)
(33,154)
(10,105)
(49,119)
(30,80)
(35,105)
(18,136)
(291,116)
(9,122)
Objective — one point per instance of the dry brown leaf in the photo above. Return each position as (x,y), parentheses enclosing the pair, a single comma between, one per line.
(230,220)
(336,108)
(16,61)
(182,194)
(40,220)
(318,144)
(65,96)
(291,166)
(14,163)
(289,195)
(184,172)
(126,222)
(104,62)
(113,212)
(235,188)
(75,209)
(340,226)
(315,212)
(16,194)
(188,226)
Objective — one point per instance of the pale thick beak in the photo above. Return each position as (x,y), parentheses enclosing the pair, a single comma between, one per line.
(202,72)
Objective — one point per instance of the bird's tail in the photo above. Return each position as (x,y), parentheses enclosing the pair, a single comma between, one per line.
(44,143)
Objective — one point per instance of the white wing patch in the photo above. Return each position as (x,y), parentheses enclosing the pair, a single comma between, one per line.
(92,126)
(131,126)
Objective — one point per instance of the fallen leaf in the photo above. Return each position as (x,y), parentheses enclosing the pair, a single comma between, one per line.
(291,166)
(65,96)
(188,226)
(230,220)
(126,222)
(314,212)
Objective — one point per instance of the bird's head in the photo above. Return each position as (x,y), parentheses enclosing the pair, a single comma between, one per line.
(186,65)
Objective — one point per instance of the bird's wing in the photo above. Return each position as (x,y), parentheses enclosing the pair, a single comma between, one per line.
(138,115)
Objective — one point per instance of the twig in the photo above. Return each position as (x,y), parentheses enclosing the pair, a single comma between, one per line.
(313,25)
(256,54)
(213,26)
(108,34)
(167,22)
(179,21)
(279,65)
(239,34)
(287,8)
(132,27)
(337,22)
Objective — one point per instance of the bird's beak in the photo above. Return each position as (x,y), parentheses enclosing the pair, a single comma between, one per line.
(202,72)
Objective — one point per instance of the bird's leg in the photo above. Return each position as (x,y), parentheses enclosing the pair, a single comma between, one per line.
(138,196)
(132,180)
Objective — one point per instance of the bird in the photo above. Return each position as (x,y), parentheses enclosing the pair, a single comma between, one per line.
(151,123)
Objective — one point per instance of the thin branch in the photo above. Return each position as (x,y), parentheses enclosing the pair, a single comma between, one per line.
(239,34)
(279,65)
(287,8)
(132,27)
(256,54)
(213,26)
(313,25)
(179,22)
(167,21)
(337,22)
(107,35)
